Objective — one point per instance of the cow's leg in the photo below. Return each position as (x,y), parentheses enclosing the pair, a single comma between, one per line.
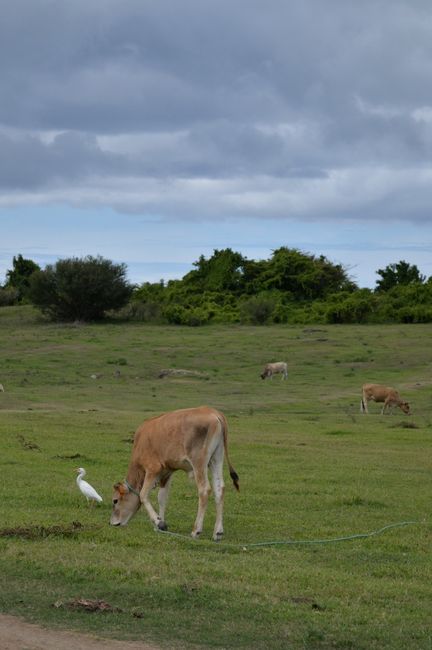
(364,404)
(216,467)
(203,485)
(162,501)
(149,482)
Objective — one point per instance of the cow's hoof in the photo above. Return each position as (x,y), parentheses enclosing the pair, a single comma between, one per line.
(196,534)
(162,525)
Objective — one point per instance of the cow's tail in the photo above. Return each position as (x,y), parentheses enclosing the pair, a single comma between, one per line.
(362,406)
(233,473)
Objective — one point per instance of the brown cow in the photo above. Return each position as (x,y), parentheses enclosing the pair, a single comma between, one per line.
(379,393)
(194,440)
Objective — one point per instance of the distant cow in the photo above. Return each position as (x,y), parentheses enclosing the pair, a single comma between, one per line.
(271,369)
(1,388)
(193,440)
(379,393)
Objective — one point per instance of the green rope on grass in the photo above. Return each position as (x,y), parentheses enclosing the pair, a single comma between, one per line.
(294,542)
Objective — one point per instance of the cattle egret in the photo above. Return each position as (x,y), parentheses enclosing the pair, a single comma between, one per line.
(88,491)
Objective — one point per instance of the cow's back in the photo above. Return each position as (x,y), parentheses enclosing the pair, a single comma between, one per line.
(168,439)
(379,392)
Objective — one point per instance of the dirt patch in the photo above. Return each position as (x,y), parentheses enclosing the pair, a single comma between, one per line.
(16,634)
(27,444)
(178,372)
(84,604)
(37,532)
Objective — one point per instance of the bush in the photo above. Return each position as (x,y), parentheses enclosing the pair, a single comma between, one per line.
(80,288)
(257,310)
(197,316)
(192,316)
(226,314)
(414,314)
(18,278)
(8,296)
(144,312)
(358,307)
(175,314)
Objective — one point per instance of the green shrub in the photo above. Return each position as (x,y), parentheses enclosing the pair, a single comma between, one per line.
(18,278)
(414,314)
(357,307)
(8,296)
(175,314)
(80,288)
(192,316)
(257,310)
(144,312)
(197,316)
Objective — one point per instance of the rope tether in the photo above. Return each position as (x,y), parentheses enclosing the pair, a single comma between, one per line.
(293,542)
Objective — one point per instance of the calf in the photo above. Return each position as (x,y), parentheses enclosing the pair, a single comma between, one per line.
(271,369)
(193,440)
(379,393)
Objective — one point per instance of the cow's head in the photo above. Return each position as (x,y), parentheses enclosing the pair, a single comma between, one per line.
(405,408)
(125,503)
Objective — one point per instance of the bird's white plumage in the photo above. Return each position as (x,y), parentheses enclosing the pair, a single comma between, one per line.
(88,490)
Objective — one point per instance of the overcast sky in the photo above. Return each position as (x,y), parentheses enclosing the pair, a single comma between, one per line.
(152,131)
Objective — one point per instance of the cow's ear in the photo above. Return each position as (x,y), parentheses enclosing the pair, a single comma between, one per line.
(120,487)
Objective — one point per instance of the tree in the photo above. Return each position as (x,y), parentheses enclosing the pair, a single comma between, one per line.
(302,275)
(223,271)
(18,277)
(80,288)
(401,273)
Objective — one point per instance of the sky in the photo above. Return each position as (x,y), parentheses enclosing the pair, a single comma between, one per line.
(151,132)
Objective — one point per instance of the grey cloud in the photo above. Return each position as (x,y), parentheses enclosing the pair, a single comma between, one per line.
(219,90)
(139,66)
(26,162)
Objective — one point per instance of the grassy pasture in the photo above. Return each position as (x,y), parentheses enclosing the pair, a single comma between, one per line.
(311,468)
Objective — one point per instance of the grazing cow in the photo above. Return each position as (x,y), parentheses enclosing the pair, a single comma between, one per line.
(271,369)
(194,440)
(379,393)
(1,388)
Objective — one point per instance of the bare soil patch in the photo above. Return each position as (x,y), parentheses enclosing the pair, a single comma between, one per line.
(16,634)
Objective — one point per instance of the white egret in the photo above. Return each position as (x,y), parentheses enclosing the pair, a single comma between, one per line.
(88,491)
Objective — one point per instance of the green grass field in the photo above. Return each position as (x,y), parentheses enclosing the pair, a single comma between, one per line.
(311,468)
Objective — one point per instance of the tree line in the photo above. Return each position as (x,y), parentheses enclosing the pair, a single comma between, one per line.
(291,286)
